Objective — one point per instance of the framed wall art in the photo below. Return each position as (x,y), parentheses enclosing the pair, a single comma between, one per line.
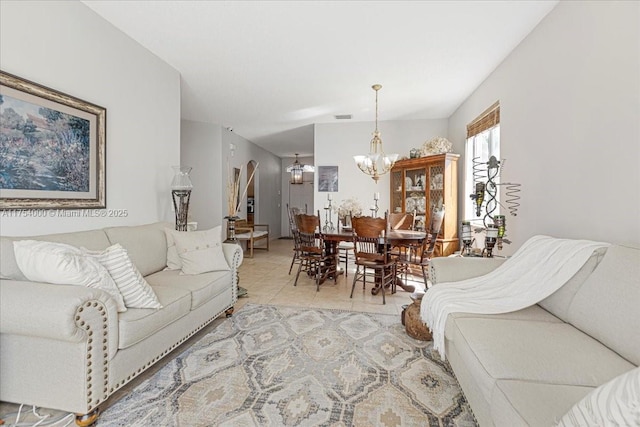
(52,148)
(328,178)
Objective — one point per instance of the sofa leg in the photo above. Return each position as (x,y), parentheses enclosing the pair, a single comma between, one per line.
(229,312)
(86,420)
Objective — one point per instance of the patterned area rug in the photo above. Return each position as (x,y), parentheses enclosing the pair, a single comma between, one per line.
(282,366)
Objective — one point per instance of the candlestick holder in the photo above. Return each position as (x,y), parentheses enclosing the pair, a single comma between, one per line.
(466,238)
(490,240)
(375,208)
(328,223)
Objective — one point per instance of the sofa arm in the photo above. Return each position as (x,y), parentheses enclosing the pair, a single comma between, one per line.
(59,312)
(454,269)
(233,254)
(73,327)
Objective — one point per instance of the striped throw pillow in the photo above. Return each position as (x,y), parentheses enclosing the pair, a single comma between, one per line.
(134,289)
(616,403)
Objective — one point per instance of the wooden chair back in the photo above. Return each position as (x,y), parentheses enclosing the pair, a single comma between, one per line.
(368,234)
(292,212)
(401,220)
(309,232)
(437,217)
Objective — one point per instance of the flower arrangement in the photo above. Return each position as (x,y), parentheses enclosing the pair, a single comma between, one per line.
(233,189)
(436,145)
(349,206)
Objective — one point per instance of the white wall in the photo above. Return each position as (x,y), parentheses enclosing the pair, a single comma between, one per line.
(570,123)
(67,47)
(268,180)
(200,148)
(336,144)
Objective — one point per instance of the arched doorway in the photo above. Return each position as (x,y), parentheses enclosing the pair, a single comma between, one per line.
(251,192)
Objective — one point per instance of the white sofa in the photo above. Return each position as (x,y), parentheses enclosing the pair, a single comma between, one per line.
(67,347)
(528,368)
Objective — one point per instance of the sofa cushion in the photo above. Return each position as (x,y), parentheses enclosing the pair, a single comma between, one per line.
(615,403)
(533,313)
(523,403)
(202,287)
(558,303)
(146,245)
(607,305)
(136,324)
(93,240)
(548,352)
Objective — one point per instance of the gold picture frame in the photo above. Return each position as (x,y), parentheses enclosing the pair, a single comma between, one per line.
(52,148)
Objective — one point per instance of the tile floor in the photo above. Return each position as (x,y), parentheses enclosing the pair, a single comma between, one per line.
(267,281)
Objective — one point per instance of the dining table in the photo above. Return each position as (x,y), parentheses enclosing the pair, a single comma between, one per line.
(409,238)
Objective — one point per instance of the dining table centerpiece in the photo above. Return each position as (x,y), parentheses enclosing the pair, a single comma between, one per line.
(346,209)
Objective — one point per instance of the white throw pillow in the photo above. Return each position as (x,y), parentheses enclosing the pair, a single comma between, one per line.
(62,264)
(615,403)
(135,291)
(200,251)
(173,260)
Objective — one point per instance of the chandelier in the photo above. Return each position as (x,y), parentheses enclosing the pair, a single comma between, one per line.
(376,163)
(296,170)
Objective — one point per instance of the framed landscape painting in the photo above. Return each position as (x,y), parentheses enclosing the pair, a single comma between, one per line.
(52,148)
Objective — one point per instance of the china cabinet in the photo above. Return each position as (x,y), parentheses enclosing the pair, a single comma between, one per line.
(419,185)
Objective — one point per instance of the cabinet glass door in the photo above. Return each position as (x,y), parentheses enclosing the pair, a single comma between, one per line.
(396,191)
(436,188)
(415,195)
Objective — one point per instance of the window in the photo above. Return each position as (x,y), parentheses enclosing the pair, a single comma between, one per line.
(483,141)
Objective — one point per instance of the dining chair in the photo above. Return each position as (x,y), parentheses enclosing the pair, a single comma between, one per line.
(292,212)
(401,220)
(313,251)
(437,217)
(345,248)
(371,252)
(405,254)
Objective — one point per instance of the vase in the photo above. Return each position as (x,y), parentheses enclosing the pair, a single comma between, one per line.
(231,228)
(181,187)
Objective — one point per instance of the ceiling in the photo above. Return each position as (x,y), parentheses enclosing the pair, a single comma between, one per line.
(270,69)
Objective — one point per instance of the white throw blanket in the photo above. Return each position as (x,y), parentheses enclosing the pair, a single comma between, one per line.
(539,268)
